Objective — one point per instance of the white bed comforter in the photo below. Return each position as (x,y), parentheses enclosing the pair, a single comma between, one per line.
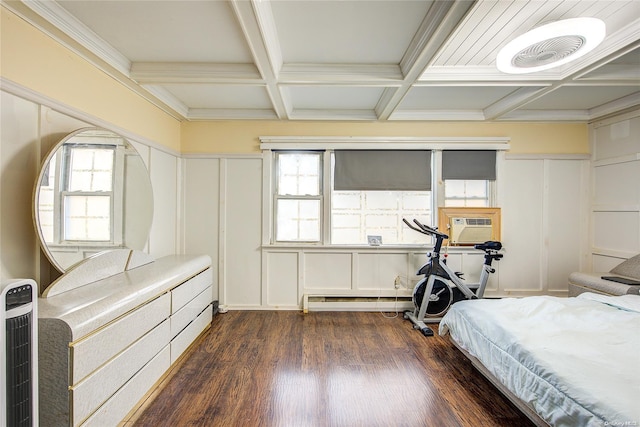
(575,361)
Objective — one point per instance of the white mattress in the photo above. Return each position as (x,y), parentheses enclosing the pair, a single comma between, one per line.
(574,361)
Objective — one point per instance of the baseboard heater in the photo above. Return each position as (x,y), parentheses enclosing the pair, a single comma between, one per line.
(324,302)
(19,356)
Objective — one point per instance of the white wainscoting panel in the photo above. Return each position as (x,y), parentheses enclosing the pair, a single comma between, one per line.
(163,234)
(615,210)
(19,166)
(616,231)
(566,221)
(202,210)
(282,279)
(617,137)
(242,227)
(379,271)
(327,270)
(616,186)
(522,221)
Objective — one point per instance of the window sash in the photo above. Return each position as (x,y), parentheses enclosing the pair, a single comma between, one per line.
(278,197)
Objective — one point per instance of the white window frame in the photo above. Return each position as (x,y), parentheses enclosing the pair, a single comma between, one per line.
(269,144)
(115,196)
(321,197)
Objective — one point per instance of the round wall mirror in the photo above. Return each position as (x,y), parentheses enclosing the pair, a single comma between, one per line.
(93,194)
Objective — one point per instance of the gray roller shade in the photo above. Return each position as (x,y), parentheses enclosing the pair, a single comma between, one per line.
(469,164)
(399,170)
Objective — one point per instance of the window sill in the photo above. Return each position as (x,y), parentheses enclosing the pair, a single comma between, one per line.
(362,248)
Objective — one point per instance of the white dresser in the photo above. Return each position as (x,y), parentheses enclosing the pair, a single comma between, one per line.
(104,345)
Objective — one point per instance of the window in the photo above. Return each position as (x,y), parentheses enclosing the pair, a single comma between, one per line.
(342,196)
(468,177)
(298,196)
(87,193)
(372,200)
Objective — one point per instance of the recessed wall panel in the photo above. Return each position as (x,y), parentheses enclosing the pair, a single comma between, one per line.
(616,185)
(327,271)
(282,279)
(379,271)
(566,221)
(617,231)
(617,139)
(522,220)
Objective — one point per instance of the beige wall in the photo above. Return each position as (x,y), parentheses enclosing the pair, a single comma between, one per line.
(242,136)
(32,59)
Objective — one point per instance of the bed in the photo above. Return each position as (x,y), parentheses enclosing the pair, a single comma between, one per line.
(563,361)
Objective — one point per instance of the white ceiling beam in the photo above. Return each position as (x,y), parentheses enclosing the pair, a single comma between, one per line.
(352,74)
(256,20)
(336,114)
(546,116)
(514,100)
(184,72)
(230,114)
(438,24)
(438,115)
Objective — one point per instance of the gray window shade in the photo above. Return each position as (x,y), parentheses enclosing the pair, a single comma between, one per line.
(469,164)
(406,170)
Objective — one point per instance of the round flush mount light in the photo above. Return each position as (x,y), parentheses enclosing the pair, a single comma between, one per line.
(551,45)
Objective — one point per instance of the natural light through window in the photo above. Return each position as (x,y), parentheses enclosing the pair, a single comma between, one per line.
(346,196)
(88,197)
(466,193)
(298,198)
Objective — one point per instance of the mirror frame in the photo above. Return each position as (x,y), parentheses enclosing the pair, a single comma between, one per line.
(44,168)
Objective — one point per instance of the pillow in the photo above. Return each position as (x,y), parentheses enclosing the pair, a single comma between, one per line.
(629,268)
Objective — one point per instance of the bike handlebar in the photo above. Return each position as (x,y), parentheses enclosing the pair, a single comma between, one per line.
(425,229)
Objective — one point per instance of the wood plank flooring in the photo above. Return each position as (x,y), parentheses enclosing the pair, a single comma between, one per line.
(285,368)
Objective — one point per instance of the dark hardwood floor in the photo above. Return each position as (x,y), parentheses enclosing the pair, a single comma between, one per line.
(285,368)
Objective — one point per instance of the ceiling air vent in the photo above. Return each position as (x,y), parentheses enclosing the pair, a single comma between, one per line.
(548,51)
(550,45)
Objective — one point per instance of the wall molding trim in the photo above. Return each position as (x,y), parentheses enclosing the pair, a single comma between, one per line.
(378,142)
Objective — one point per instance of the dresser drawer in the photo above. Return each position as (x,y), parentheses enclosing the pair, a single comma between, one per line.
(95,389)
(184,293)
(184,339)
(190,311)
(118,406)
(91,352)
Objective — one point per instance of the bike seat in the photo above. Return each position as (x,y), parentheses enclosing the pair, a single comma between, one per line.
(491,245)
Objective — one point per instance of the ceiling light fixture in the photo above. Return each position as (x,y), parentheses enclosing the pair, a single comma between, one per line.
(551,45)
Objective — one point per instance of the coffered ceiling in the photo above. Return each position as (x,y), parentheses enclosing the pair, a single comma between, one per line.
(376,60)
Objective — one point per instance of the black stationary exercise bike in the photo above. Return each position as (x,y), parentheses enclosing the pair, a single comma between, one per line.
(440,287)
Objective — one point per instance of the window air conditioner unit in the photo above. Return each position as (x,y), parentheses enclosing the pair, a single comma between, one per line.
(470,230)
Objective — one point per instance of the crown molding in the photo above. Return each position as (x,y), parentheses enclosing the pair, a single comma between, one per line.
(72,27)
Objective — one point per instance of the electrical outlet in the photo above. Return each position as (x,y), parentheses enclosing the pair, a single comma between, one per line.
(396,283)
